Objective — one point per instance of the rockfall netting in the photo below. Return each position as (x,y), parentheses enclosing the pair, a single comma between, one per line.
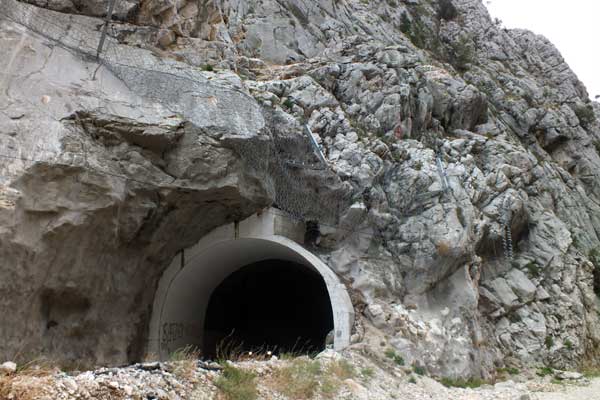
(303,184)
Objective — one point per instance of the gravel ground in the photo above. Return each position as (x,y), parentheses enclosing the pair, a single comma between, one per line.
(588,392)
(193,380)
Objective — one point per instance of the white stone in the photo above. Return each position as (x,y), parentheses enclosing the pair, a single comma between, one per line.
(8,367)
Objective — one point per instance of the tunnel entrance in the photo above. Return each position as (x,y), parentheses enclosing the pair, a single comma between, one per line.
(271,305)
(246,282)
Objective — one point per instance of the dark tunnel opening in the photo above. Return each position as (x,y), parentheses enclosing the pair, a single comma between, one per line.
(271,305)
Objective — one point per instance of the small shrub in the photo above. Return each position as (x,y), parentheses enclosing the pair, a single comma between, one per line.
(288,103)
(304,378)
(184,354)
(585,114)
(335,373)
(399,360)
(545,371)
(412,380)
(534,269)
(237,384)
(367,372)
(185,361)
(299,380)
(396,358)
(508,370)
(208,68)
(462,383)
(405,24)
(549,342)
(568,344)
(447,10)
(417,369)
(341,369)
(414,29)
(594,257)
(462,54)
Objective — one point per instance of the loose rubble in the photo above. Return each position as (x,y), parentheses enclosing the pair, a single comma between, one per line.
(182,380)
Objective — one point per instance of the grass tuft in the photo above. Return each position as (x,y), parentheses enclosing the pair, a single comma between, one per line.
(28,382)
(185,361)
(236,383)
(544,371)
(299,379)
(396,358)
(419,370)
(304,378)
(367,373)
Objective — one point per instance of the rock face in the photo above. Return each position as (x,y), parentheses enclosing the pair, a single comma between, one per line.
(461,207)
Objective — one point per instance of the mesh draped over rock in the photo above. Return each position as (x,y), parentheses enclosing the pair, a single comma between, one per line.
(303,187)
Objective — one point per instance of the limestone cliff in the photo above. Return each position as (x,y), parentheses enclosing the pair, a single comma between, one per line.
(460,206)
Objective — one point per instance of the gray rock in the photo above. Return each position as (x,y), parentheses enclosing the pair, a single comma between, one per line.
(503,292)
(521,285)
(568,375)
(436,143)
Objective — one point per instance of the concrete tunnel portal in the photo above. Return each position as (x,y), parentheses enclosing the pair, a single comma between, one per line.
(250,286)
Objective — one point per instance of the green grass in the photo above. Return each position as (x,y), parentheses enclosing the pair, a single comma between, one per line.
(585,114)
(299,379)
(544,371)
(288,103)
(304,378)
(549,342)
(508,370)
(367,373)
(417,369)
(568,344)
(534,269)
(396,358)
(462,383)
(184,361)
(237,384)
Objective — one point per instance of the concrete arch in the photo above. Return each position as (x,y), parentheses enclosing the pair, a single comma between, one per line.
(185,288)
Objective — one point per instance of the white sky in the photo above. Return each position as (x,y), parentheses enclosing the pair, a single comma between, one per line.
(573,26)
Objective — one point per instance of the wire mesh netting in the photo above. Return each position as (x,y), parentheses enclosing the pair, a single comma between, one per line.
(304,186)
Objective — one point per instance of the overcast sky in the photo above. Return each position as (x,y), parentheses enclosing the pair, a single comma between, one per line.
(573,26)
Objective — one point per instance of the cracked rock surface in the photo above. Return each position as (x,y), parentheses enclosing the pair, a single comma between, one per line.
(465,155)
